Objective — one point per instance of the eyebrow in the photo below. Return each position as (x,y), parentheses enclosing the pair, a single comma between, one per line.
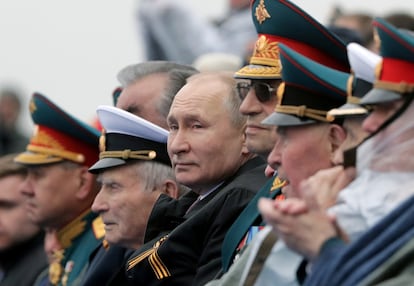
(133,109)
(7,203)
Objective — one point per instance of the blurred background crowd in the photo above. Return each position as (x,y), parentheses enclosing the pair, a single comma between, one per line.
(71,50)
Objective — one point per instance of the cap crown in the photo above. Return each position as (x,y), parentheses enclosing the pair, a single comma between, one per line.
(394,74)
(58,136)
(308,92)
(128,137)
(281,21)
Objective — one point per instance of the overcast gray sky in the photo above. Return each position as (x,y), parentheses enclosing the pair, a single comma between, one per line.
(71,50)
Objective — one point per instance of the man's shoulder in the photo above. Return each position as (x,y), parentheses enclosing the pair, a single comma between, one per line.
(167,214)
(249,176)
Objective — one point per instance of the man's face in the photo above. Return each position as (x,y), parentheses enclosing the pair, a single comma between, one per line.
(379,114)
(300,152)
(143,98)
(124,204)
(260,138)
(50,192)
(204,145)
(15,225)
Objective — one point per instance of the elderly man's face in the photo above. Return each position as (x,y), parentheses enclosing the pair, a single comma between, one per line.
(204,144)
(380,114)
(300,152)
(124,204)
(260,138)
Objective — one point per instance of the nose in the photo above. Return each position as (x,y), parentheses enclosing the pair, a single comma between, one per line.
(177,143)
(100,204)
(26,188)
(372,122)
(274,160)
(250,104)
(269,171)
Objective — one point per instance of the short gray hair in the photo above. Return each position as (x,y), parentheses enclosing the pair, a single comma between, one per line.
(132,73)
(155,174)
(177,76)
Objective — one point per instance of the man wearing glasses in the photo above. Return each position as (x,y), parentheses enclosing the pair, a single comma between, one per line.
(257,87)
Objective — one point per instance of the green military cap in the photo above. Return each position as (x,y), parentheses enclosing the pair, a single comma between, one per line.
(394,74)
(308,91)
(281,21)
(58,136)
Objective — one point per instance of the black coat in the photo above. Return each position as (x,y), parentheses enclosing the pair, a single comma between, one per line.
(24,262)
(191,253)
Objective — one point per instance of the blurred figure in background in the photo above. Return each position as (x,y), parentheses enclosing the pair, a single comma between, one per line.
(353,27)
(172,30)
(148,88)
(11,138)
(22,256)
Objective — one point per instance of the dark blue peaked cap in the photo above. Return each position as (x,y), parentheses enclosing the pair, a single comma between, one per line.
(309,90)
(128,137)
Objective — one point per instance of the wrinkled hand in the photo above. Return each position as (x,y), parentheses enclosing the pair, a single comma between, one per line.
(321,190)
(304,231)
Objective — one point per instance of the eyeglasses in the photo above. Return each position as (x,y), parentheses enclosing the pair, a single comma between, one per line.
(263,91)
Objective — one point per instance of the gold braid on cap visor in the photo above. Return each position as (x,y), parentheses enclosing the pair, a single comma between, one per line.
(402,87)
(72,156)
(128,154)
(303,111)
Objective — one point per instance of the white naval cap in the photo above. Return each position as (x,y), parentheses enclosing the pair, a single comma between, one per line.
(128,137)
(363,62)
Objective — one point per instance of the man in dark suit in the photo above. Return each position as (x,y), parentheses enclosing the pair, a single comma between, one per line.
(207,148)
(147,90)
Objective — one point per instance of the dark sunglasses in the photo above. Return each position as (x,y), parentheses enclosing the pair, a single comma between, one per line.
(263,91)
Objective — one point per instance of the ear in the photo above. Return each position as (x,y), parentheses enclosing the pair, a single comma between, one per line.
(170,187)
(87,183)
(337,136)
(245,151)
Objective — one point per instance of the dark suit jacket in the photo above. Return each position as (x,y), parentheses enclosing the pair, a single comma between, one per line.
(24,263)
(191,253)
(106,265)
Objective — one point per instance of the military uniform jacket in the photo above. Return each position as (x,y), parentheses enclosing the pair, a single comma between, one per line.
(191,253)
(80,239)
(248,218)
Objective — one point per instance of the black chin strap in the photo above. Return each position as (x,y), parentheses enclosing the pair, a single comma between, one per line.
(408,99)
(350,154)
